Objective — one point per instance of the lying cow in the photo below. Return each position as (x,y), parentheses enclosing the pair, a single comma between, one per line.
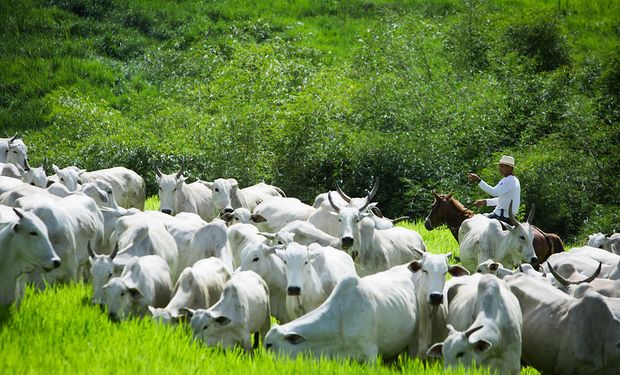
(361,319)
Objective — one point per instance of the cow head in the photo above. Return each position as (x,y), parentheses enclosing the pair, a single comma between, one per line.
(121,298)
(102,270)
(430,272)
(349,216)
(214,329)
(463,348)
(169,186)
(520,241)
(35,176)
(224,194)
(17,152)
(281,340)
(69,176)
(30,243)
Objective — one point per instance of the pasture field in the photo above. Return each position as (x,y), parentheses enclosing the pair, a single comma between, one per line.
(58,332)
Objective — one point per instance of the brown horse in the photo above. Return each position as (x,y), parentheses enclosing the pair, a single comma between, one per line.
(449,211)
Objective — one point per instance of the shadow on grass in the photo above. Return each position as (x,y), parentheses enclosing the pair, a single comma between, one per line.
(5,315)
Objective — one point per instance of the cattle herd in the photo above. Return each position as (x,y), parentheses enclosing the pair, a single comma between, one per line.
(342,280)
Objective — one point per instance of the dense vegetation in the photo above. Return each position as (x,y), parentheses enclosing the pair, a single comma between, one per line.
(304,94)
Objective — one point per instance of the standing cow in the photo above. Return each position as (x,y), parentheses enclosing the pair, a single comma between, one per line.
(227,195)
(175,196)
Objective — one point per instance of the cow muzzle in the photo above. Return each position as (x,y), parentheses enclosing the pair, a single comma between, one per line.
(167,211)
(428,225)
(534,261)
(293,291)
(346,242)
(436,298)
(227,210)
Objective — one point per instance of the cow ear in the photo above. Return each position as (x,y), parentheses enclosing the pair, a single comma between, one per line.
(135,293)
(49,183)
(181,180)
(207,184)
(482,346)
(152,310)
(435,351)
(294,338)
(415,266)
(15,227)
(458,270)
(222,320)
(233,183)
(258,218)
(55,168)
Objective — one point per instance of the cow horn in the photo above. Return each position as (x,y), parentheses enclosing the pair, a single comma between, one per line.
(342,194)
(91,253)
(114,252)
(373,191)
(566,282)
(16,136)
(158,171)
(472,331)
(26,165)
(511,216)
(331,201)
(180,172)
(530,217)
(521,268)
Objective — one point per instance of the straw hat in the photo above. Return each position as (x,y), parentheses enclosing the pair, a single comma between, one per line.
(507,160)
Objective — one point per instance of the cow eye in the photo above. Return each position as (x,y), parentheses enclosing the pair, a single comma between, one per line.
(306,262)
(122,294)
(280,243)
(62,179)
(110,275)
(522,237)
(33,233)
(206,326)
(174,190)
(216,189)
(460,355)
(32,183)
(284,262)
(255,259)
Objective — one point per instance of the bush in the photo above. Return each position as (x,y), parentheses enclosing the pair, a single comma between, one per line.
(538,36)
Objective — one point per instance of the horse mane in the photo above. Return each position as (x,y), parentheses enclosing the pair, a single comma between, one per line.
(461,208)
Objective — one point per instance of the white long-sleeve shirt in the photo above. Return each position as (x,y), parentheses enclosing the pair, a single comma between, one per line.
(508,189)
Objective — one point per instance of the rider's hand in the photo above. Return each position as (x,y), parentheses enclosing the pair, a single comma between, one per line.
(480,202)
(473,177)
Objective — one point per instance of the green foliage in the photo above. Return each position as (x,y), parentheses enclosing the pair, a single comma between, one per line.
(304,94)
(539,37)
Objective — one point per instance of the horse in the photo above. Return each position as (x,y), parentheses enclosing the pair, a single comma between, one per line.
(449,211)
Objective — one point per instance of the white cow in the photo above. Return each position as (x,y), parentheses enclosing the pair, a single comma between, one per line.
(139,235)
(24,245)
(239,237)
(35,176)
(145,281)
(304,233)
(242,309)
(13,150)
(176,196)
(581,262)
(580,335)
(312,274)
(8,183)
(382,249)
(68,176)
(198,287)
(362,318)
(227,195)
(485,325)
(209,240)
(258,256)
(73,222)
(239,215)
(610,243)
(128,187)
(11,170)
(102,270)
(429,277)
(274,213)
(481,238)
